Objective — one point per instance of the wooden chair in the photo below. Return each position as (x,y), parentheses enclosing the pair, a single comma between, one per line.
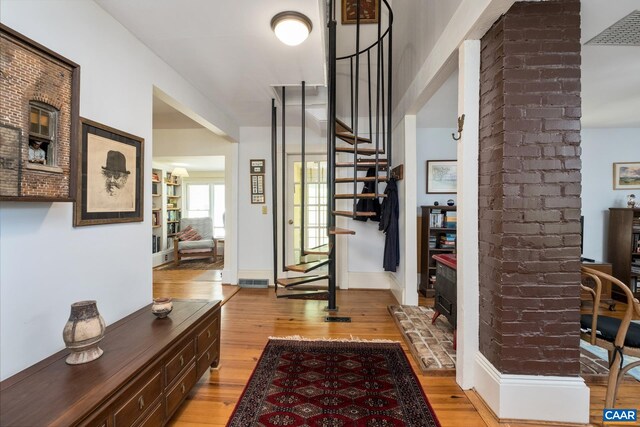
(620,337)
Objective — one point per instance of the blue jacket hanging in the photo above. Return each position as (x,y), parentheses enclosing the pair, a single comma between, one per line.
(389,225)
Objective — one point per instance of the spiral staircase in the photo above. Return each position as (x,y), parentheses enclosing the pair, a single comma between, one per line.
(358,150)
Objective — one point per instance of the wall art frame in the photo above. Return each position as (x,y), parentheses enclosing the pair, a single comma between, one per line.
(56,85)
(626,176)
(442,176)
(368,11)
(110,176)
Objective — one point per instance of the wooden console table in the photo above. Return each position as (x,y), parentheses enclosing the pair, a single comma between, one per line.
(148,367)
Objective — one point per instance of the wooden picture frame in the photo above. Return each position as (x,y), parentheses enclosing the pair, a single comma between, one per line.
(257,190)
(37,78)
(110,176)
(626,176)
(256,166)
(368,11)
(442,177)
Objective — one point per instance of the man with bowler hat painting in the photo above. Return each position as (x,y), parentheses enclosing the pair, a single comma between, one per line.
(115,172)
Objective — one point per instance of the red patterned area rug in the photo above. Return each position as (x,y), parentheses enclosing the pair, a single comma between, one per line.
(332,384)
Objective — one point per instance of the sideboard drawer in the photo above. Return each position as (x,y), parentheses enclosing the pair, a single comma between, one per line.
(141,399)
(207,357)
(155,418)
(209,334)
(180,390)
(179,362)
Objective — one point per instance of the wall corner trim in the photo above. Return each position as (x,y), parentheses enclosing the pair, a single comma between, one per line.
(532,397)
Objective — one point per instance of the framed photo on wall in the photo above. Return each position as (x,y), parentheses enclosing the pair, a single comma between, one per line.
(626,176)
(442,176)
(368,11)
(110,176)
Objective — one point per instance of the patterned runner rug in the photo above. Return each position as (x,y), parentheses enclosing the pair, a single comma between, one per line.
(333,383)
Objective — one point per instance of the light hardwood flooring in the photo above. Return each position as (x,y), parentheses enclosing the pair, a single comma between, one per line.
(251,316)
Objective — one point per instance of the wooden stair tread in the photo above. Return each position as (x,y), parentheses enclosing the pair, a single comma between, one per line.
(318,250)
(342,126)
(359,196)
(336,230)
(350,213)
(350,138)
(307,266)
(293,281)
(382,163)
(363,151)
(361,179)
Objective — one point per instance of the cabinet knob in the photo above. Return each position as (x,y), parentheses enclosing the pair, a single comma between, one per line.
(183,388)
(141,403)
(181,360)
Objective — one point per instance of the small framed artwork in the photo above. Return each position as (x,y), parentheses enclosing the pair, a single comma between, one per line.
(257,166)
(110,176)
(442,176)
(626,176)
(368,11)
(257,189)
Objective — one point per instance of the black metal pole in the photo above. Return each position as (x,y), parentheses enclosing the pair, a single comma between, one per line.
(331,169)
(303,176)
(274,191)
(355,112)
(284,185)
(389,81)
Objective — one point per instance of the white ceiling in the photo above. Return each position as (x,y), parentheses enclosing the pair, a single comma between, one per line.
(167,117)
(191,163)
(226,48)
(610,76)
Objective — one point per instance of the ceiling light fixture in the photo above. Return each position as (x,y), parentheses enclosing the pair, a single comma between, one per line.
(291,28)
(181,172)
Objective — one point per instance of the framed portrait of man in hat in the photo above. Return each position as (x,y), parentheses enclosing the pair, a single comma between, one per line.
(110,176)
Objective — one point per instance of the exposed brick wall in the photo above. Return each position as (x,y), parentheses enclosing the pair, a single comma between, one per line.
(529,196)
(28,76)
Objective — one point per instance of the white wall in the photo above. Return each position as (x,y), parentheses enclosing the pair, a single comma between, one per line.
(600,149)
(45,263)
(433,144)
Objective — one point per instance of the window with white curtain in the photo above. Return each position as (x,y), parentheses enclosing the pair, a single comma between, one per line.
(207,199)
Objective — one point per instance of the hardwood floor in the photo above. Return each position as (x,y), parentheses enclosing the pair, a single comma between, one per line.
(251,316)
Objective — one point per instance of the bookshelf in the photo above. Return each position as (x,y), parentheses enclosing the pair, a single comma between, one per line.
(173,206)
(624,249)
(156,210)
(439,224)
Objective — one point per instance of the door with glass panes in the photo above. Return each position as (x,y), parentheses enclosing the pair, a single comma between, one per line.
(315,214)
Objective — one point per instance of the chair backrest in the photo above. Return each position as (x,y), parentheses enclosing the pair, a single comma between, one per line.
(632,303)
(204,226)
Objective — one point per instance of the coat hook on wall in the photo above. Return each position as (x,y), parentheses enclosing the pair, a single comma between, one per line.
(460,128)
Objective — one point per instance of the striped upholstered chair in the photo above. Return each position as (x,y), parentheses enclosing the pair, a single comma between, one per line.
(205,246)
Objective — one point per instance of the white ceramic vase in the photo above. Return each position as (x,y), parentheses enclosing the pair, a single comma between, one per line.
(82,333)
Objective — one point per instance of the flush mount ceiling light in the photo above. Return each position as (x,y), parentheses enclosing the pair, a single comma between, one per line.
(291,28)
(182,172)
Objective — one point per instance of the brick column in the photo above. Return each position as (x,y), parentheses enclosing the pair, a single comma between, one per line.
(529,190)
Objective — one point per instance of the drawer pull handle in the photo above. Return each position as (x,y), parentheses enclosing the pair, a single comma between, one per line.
(141,403)
(181,360)
(208,334)
(208,356)
(183,388)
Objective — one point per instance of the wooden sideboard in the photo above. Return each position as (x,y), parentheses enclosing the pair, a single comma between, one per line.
(148,367)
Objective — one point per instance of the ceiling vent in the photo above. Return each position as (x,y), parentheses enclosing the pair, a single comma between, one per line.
(625,32)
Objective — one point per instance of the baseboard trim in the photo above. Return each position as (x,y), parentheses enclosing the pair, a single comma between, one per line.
(550,399)
(397,289)
(370,280)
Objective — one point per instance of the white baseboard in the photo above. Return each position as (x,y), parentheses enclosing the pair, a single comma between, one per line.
(397,289)
(369,280)
(532,397)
